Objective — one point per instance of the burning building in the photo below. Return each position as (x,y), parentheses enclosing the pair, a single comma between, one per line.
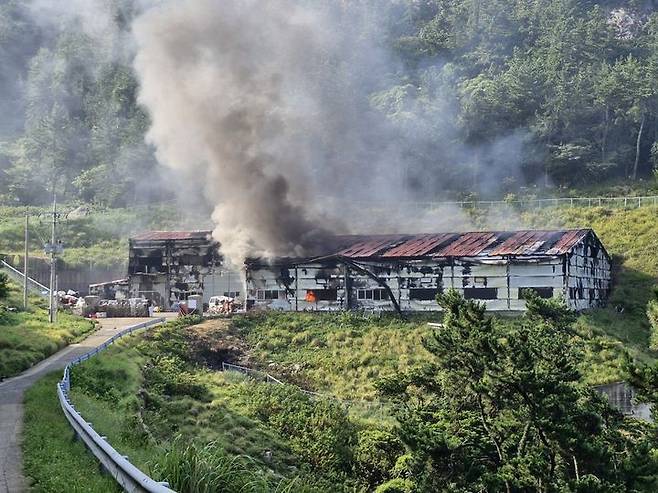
(406,272)
(169,266)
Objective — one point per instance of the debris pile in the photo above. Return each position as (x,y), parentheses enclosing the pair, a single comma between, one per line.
(94,307)
(223,305)
(68,298)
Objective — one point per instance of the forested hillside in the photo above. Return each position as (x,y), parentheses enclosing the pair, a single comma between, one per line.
(541,92)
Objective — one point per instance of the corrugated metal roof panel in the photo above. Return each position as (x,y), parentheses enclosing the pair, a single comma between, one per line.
(528,243)
(371,246)
(468,245)
(567,241)
(472,244)
(420,245)
(172,235)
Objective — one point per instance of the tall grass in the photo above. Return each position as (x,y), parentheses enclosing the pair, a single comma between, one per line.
(53,461)
(195,468)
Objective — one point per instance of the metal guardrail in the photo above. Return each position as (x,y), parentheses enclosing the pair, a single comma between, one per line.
(126,474)
(32,284)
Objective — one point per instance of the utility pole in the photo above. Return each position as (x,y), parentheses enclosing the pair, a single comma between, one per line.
(53,248)
(25,256)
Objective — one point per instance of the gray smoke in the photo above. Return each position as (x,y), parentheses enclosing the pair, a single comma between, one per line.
(268,107)
(254,101)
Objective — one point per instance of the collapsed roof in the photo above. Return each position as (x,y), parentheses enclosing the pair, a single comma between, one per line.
(468,244)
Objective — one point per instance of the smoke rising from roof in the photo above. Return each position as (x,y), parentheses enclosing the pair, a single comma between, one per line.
(268,107)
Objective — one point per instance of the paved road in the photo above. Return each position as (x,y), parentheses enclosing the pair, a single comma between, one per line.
(11,401)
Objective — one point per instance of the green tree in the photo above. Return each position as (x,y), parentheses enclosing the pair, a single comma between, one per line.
(4,285)
(652,314)
(504,410)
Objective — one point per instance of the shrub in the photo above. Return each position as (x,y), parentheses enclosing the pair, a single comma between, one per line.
(192,468)
(100,380)
(4,285)
(319,430)
(375,455)
(168,375)
(195,468)
(652,314)
(397,485)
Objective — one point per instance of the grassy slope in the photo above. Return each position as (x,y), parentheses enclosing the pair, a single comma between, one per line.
(53,461)
(631,237)
(341,354)
(98,238)
(142,401)
(27,338)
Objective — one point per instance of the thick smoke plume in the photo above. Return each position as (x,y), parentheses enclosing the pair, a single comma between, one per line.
(267,107)
(258,103)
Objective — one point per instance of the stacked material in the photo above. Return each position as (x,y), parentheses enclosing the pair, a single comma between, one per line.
(92,306)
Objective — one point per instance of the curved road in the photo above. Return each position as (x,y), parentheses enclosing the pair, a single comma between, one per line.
(11,401)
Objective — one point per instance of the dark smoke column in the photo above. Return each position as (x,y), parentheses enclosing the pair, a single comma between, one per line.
(230,89)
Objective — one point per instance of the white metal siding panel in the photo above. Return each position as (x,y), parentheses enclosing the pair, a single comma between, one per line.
(585,274)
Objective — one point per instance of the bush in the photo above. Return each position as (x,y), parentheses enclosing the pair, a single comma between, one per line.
(169,375)
(375,455)
(195,468)
(192,468)
(4,285)
(652,314)
(397,485)
(100,381)
(319,430)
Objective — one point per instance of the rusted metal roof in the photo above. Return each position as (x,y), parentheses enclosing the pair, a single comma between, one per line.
(420,245)
(172,235)
(472,244)
(369,246)
(567,241)
(529,242)
(468,245)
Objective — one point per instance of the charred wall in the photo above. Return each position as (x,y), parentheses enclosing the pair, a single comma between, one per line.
(582,277)
(501,283)
(588,279)
(169,270)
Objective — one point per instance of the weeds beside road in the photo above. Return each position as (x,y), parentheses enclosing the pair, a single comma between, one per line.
(26,337)
(53,460)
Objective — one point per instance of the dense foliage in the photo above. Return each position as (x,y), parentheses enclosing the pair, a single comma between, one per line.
(484,95)
(652,314)
(72,123)
(507,411)
(4,285)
